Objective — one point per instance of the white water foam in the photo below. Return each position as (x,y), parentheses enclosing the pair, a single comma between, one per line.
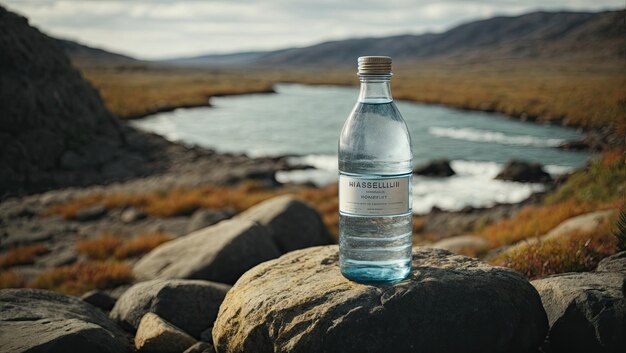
(478,135)
(473,185)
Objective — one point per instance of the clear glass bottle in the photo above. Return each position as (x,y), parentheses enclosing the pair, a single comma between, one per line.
(375,174)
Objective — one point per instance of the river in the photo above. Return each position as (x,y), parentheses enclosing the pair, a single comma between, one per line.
(306,121)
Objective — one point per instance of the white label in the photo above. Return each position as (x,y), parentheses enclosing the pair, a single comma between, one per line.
(374,196)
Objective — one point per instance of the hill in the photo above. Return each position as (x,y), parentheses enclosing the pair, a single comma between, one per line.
(537,35)
(84,55)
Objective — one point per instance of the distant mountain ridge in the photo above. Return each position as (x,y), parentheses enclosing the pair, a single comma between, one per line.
(536,35)
(532,35)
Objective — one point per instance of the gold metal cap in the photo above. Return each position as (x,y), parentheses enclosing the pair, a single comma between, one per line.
(374,65)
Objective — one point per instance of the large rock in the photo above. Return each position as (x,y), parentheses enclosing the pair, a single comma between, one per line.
(48,109)
(435,168)
(614,263)
(587,311)
(42,321)
(292,223)
(191,305)
(450,303)
(220,253)
(525,172)
(159,336)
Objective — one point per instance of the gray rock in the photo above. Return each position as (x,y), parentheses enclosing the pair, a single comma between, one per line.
(159,336)
(584,223)
(59,257)
(450,303)
(220,253)
(99,299)
(435,168)
(292,223)
(25,237)
(614,263)
(200,347)
(203,218)
(131,215)
(191,305)
(91,213)
(462,243)
(34,320)
(525,172)
(586,311)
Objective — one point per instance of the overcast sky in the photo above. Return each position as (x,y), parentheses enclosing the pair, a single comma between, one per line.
(152,29)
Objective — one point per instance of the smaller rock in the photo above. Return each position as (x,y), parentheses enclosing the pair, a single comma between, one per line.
(157,335)
(463,244)
(203,218)
(99,299)
(575,145)
(59,257)
(524,172)
(91,213)
(435,168)
(200,347)
(191,305)
(583,223)
(613,263)
(586,311)
(131,215)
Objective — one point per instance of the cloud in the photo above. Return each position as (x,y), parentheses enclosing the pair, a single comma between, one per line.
(167,28)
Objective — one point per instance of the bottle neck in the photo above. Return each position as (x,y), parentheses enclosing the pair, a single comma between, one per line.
(375,89)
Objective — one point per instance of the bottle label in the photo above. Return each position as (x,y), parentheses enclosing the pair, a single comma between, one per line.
(374,196)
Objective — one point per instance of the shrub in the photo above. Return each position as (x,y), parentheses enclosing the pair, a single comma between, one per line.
(82,277)
(10,279)
(100,248)
(572,252)
(22,255)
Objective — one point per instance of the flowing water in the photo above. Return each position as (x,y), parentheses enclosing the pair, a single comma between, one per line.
(306,121)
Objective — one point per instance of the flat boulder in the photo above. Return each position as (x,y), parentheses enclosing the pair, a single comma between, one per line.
(292,223)
(524,172)
(220,253)
(300,302)
(191,305)
(586,311)
(435,168)
(463,244)
(33,320)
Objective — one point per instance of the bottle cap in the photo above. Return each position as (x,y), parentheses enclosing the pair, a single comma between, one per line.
(374,65)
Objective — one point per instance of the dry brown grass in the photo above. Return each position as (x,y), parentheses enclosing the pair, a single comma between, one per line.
(100,248)
(139,245)
(573,252)
(82,277)
(10,279)
(137,92)
(22,255)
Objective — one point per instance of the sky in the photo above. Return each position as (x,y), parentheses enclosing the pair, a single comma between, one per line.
(158,29)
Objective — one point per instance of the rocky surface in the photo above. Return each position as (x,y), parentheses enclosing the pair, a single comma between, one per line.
(159,336)
(191,305)
(42,321)
(450,303)
(614,263)
(525,172)
(220,253)
(435,168)
(586,311)
(292,223)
